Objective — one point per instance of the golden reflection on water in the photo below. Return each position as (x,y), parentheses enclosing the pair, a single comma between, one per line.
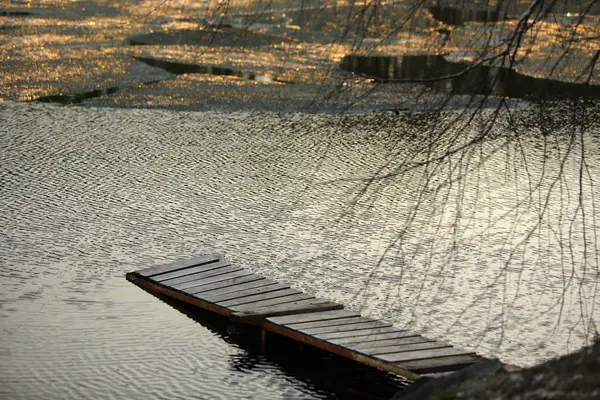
(76,45)
(297,62)
(49,70)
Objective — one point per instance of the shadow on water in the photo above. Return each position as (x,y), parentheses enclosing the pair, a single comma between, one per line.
(15,13)
(462,78)
(458,16)
(76,98)
(328,374)
(174,67)
(178,68)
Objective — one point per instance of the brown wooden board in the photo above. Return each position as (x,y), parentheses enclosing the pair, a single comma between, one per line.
(423,354)
(214,279)
(192,270)
(212,283)
(199,275)
(339,350)
(228,283)
(218,296)
(405,347)
(284,309)
(364,333)
(385,343)
(313,316)
(258,282)
(259,297)
(328,322)
(443,364)
(298,299)
(191,262)
(157,288)
(344,328)
(372,338)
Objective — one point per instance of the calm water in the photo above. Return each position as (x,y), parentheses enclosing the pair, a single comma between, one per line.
(487,249)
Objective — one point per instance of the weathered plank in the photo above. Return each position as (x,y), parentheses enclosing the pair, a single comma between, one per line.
(243,292)
(298,299)
(313,316)
(328,322)
(192,270)
(199,276)
(214,279)
(174,266)
(384,343)
(405,347)
(229,283)
(373,338)
(363,333)
(442,364)
(285,309)
(259,297)
(212,283)
(423,354)
(158,288)
(341,351)
(344,328)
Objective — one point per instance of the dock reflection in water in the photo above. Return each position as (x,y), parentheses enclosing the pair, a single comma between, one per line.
(327,375)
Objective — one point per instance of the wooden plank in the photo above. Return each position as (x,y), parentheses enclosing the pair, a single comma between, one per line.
(328,322)
(259,297)
(192,270)
(280,310)
(229,283)
(314,316)
(405,347)
(341,351)
(301,298)
(157,288)
(199,275)
(212,283)
(423,354)
(344,328)
(236,294)
(232,289)
(372,338)
(363,333)
(177,265)
(214,279)
(366,346)
(443,364)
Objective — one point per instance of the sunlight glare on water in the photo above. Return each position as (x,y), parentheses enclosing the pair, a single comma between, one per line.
(89,194)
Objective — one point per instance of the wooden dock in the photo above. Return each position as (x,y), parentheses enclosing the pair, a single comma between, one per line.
(213,284)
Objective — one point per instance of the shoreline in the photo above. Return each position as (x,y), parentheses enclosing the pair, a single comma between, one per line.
(570,377)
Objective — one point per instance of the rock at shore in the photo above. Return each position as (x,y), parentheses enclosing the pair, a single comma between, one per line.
(574,376)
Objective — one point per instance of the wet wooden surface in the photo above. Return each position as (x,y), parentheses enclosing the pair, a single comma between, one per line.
(212,283)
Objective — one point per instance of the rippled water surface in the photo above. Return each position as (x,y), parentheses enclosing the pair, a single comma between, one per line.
(487,243)
(90,194)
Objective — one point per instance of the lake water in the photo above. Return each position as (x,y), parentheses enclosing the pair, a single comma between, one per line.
(492,248)
(487,242)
